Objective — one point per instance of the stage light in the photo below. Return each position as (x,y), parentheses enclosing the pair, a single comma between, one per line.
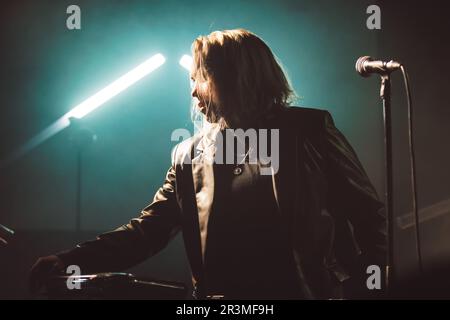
(186,62)
(116,87)
(89,105)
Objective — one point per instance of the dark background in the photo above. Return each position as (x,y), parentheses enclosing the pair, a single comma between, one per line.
(48,69)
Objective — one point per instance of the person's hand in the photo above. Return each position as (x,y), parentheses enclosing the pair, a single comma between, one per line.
(42,269)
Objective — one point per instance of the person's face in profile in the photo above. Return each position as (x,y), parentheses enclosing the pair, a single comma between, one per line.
(204,97)
(199,91)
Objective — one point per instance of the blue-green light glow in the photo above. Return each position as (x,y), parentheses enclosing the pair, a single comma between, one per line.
(89,105)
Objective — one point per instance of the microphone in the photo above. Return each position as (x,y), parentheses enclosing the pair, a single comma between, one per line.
(365,66)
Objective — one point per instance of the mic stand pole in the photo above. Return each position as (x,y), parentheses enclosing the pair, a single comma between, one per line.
(385,94)
(82,138)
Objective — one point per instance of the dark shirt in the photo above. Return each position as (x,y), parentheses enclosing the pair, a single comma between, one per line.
(247,252)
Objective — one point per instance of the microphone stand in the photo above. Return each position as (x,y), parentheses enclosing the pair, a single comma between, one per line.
(385,94)
(82,138)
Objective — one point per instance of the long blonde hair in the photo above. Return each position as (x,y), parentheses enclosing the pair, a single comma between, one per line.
(244,74)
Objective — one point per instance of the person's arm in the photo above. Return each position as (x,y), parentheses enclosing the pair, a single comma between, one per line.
(353,196)
(124,247)
(134,242)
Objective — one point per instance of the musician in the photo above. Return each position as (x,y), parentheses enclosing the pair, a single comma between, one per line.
(301,231)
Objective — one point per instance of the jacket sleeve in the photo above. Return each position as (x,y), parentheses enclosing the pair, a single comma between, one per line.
(134,242)
(352,195)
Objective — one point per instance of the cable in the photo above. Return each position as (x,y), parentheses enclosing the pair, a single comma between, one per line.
(413,169)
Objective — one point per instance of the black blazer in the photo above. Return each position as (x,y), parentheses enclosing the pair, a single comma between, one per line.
(329,207)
